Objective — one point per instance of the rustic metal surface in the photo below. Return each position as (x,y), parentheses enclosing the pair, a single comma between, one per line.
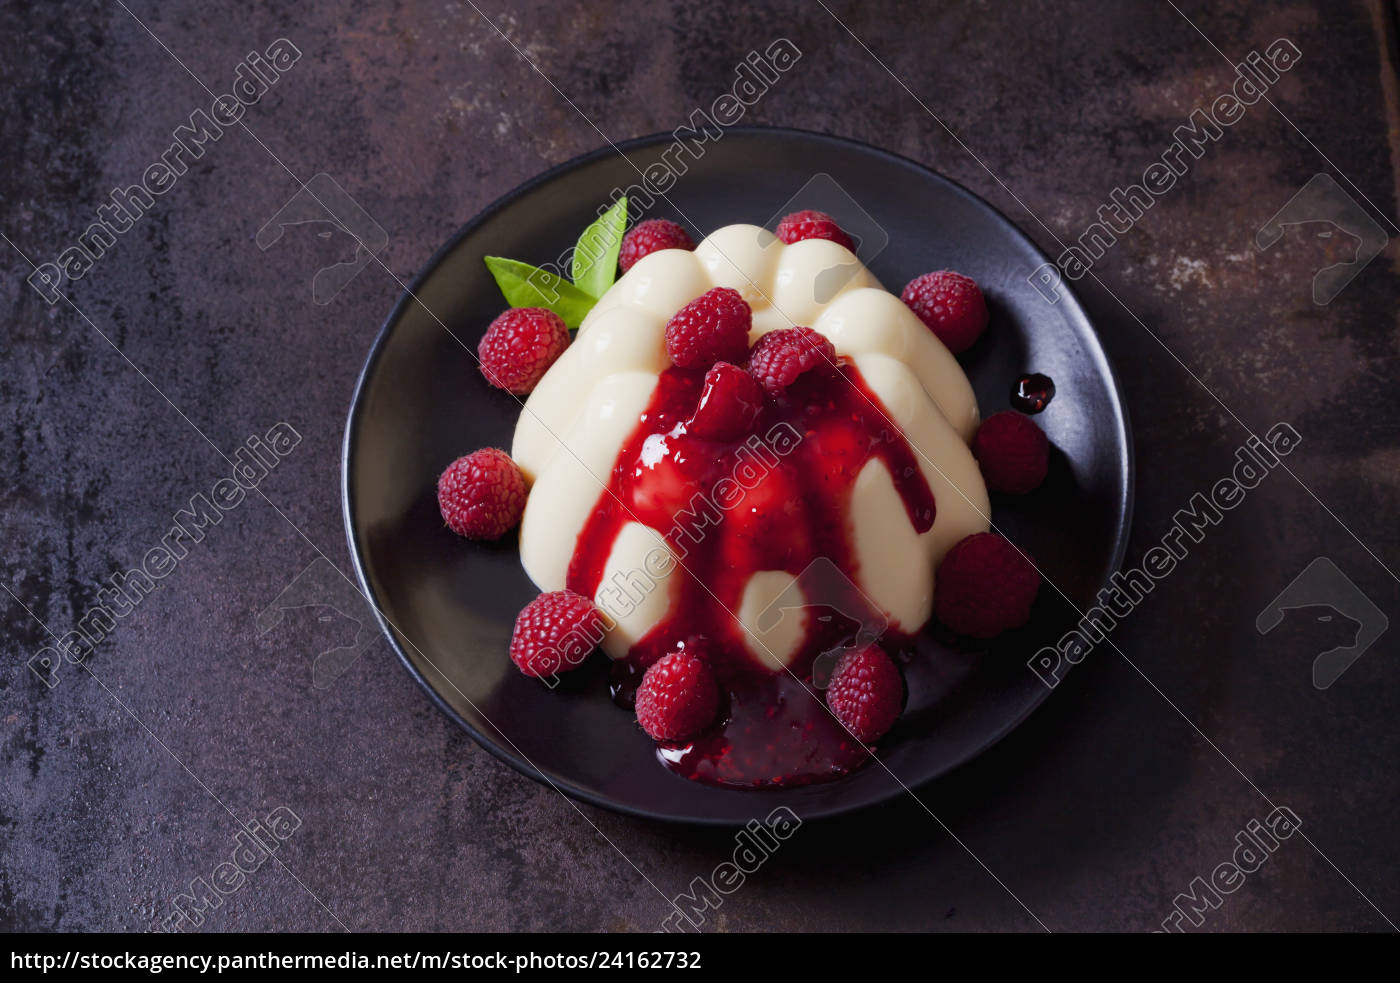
(127,779)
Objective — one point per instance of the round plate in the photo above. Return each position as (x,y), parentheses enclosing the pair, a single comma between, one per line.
(448,605)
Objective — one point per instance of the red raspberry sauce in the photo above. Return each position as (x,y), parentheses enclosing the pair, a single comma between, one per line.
(775,500)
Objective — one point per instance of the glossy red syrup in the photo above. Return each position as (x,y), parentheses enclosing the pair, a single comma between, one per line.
(776,499)
(1032,392)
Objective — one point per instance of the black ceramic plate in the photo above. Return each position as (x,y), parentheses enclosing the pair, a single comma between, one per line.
(448,605)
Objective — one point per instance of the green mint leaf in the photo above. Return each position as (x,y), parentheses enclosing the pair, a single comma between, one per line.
(529,286)
(595,255)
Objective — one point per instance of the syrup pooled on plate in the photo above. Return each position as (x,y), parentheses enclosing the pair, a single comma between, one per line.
(1032,392)
(784,504)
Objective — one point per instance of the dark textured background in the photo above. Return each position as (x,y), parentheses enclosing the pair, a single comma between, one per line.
(1095,813)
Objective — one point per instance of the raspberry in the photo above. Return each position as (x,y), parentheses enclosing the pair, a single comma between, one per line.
(711,328)
(810,224)
(951,305)
(555,633)
(866,693)
(984,586)
(520,346)
(678,697)
(650,236)
(1013,451)
(482,495)
(729,404)
(779,357)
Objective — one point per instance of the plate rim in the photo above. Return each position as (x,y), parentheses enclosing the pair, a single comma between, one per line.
(407,296)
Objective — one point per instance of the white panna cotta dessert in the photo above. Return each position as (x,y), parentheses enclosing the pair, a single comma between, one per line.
(832,511)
